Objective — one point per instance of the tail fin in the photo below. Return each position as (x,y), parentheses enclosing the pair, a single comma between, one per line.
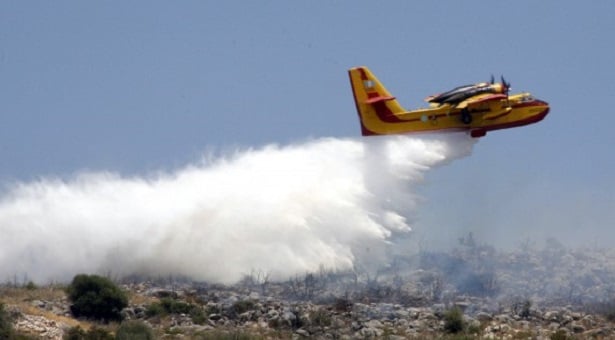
(375,105)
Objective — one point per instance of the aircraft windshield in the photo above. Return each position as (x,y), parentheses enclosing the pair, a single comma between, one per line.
(527,98)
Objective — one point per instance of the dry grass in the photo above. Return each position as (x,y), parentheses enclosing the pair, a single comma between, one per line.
(12,295)
(31,310)
(138,299)
(22,299)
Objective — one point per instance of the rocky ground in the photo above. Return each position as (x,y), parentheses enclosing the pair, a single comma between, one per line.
(472,292)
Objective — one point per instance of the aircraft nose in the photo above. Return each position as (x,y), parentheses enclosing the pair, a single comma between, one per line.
(545,108)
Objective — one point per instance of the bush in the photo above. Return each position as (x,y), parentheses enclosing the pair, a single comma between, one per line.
(74,333)
(453,320)
(175,307)
(559,335)
(229,335)
(95,333)
(6,325)
(242,306)
(522,308)
(320,318)
(198,316)
(96,297)
(170,306)
(342,305)
(155,309)
(134,330)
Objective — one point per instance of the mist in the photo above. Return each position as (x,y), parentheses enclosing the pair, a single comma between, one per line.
(284,210)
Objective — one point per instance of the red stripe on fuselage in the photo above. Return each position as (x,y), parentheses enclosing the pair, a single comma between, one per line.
(531,120)
(385,114)
(536,102)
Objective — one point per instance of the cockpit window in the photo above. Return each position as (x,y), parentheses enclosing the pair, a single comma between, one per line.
(527,98)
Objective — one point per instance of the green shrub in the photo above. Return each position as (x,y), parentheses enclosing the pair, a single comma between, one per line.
(155,309)
(559,335)
(453,320)
(228,335)
(342,305)
(6,325)
(170,306)
(134,330)
(95,333)
(320,318)
(275,323)
(213,309)
(198,315)
(459,336)
(74,333)
(522,307)
(96,297)
(242,306)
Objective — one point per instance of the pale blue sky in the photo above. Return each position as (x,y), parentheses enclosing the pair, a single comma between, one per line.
(141,86)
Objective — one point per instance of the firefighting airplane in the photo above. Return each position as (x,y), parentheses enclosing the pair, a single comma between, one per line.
(474,108)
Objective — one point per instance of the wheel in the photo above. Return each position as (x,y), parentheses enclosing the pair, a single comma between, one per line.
(466,117)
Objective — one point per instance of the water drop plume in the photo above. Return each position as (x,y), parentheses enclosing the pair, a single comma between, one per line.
(284,210)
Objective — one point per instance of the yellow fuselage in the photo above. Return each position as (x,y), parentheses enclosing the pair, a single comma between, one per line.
(486,116)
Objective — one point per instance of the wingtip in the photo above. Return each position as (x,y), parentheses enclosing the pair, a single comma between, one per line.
(357,68)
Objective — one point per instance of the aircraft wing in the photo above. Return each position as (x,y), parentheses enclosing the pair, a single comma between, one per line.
(481,98)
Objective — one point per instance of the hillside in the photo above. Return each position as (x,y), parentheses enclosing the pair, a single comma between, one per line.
(473,291)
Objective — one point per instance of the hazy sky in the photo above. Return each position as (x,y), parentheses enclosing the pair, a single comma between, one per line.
(144,86)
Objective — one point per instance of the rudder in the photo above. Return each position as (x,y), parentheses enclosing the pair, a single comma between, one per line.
(375,105)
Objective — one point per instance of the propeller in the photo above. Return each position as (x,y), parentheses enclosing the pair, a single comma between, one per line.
(505,85)
(492,80)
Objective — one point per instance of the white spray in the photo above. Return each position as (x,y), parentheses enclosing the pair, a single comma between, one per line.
(285,211)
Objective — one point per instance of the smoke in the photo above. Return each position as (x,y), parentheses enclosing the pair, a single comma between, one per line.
(285,211)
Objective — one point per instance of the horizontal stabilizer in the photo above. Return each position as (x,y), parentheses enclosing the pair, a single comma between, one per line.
(379,99)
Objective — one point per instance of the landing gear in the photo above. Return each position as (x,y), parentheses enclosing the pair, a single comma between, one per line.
(466,117)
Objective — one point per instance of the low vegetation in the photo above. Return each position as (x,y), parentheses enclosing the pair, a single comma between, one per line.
(134,330)
(167,306)
(94,333)
(393,303)
(453,320)
(320,318)
(6,326)
(7,331)
(228,335)
(96,297)
(242,306)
